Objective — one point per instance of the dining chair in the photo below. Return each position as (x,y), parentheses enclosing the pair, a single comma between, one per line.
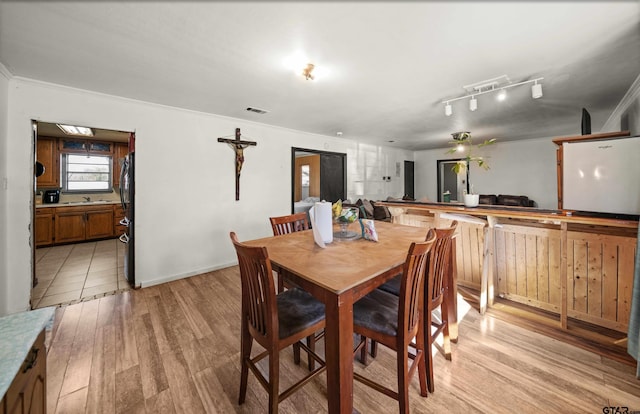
(435,291)
(285,225)
(289,223)
(435,288)
(274,322)
(395,321)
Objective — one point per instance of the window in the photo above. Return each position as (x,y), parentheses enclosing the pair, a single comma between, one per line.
(82,173)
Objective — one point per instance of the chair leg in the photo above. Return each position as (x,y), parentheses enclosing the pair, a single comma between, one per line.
(422,366)
(311,344)
(446,339)
(374,349)
(363,350)
(428,343)
(403,380)
(296,353)
(274,386)
(280,282)
(245,354)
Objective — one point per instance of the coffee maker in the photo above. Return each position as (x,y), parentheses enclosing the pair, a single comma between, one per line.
(51,196)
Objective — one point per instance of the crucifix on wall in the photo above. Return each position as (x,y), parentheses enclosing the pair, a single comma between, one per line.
(238,146)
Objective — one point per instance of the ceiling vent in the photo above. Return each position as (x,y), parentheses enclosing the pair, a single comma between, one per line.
(257,110)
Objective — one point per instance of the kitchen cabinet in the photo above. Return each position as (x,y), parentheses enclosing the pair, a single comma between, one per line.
(23,364)
(99,223)
(120,151)
(27,393)
(85,146)
(73,224)
(47,154)
(69,224)
(44,229)
(118,214)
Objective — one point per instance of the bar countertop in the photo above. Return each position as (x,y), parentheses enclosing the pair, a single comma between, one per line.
(577,217)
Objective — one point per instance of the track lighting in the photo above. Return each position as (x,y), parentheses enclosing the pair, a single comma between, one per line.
(447,109)
(536,90)
(499,84)
(473,104)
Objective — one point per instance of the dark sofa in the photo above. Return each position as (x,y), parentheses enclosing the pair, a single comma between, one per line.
(371,210)
(506,200)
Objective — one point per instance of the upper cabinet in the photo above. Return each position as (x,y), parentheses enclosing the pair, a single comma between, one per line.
(48,156)
(121,151)
(85,146)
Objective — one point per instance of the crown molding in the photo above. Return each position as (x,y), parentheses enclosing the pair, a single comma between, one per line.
(613,123)
(5,72)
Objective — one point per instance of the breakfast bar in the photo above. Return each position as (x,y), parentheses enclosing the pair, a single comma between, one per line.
(572,264)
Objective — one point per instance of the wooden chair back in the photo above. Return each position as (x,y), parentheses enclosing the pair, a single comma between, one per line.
(439,266)
(259,305)
(289,224)
(410,298)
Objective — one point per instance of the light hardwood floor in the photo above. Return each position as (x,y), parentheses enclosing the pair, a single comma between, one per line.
(175,348)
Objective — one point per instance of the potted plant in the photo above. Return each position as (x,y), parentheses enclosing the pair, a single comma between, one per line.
(462,143)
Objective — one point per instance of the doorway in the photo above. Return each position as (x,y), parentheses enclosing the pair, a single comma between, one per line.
(316,175)
(408,180)
(451,182)
(76,251)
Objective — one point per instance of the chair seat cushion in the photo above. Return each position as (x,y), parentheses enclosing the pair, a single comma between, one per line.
(377,311)
(297,310)
(392,286)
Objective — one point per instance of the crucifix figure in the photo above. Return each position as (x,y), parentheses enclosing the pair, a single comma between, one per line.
(238,146)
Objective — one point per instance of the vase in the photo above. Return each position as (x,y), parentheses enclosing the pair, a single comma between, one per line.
(471,200)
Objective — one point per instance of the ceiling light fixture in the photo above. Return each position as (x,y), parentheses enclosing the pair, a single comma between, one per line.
(499,84)
(473,104)
(76,130)
(447,109)
(306,72)
(536,90)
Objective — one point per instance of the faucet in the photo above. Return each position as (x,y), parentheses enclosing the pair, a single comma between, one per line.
(87,199)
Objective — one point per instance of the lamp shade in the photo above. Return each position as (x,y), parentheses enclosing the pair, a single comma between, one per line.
(536,91)
(473,104)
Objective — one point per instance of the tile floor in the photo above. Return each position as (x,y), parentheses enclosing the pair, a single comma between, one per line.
(76,272)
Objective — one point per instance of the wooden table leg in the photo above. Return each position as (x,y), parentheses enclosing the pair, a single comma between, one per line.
(339,353)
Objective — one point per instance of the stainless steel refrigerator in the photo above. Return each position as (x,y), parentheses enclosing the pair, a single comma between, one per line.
(127,197)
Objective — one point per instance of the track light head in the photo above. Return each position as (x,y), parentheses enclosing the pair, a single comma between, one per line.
(502,95)
(473,104)
(536,90)
(447,109)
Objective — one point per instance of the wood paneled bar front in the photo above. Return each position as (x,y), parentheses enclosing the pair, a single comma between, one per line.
(575,266)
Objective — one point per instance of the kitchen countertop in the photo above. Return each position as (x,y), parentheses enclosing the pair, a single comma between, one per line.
(18,332)
(78,203)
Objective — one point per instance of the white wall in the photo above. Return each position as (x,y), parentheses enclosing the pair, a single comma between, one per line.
(185,191)
(4,108)
(517,168)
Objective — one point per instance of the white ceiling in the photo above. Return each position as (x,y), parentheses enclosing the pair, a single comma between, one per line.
(389,64)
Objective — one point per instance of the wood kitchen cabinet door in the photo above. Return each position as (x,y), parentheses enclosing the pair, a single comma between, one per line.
(118,214)
(44,229)
(121,150)
(47,154)
(99,224)
(69,226)
(27,392)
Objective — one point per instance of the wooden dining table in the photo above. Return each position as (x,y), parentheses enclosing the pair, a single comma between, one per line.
(338,276)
